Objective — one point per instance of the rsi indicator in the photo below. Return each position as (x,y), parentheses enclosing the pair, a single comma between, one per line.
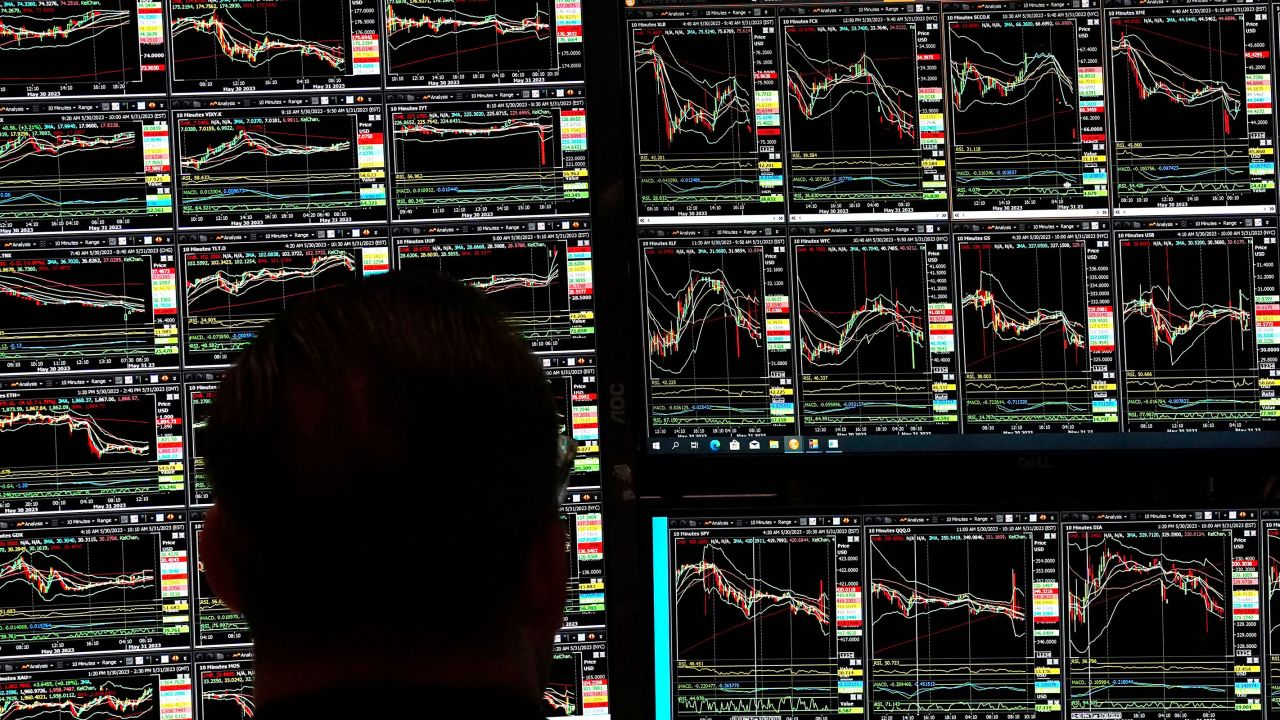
(278,162)
(84,171)
(1163,614)
(200,391)
(542,281)
(102,583)
(90,443)
(1191,109)
(865,116)
(876,345)
(274,45)
(718,336)
(708,117)
(1026,104)
(964,616)
(461,158)
(1037,327)
(232,289)
(70,48)
(490,42)
(90,304)
(1197,305)
(215,624)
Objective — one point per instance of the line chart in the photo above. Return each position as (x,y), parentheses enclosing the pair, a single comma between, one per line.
(438,42)
(85,171)
(199,399)
(1025,321)
(91,448)
(866,348)
(1153,619)
(1189,329)
(701,134)
(523,159)
(231,292)
(1192,110)
(216,624)
(119,585)
(226,690)
(240,698)
(254,48)
(109,700)
(1026,114)
(754,625)
(841,74)
(714,329)
(952,612)
(542,282)
(72,48)
(321,165)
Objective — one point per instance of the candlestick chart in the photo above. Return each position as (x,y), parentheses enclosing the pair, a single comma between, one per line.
(71,47)
(429,41)
(705,333)
(73,695)
(754,627)
(1024,322)
(563,695)
(863,334)
(537,281)
(231,294)
(1149,621)
(76,310)
(1016,115)
(523,159)
(215,623)
(951,623)
(226,691)
(259,40)
(269,168)
(1189,330)
(1180,123)
(57,175)
(697,121)
(91,448)
(69,588)
(839,78)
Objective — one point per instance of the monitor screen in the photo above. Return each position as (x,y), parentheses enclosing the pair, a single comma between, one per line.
(1017,616)
(1006,226)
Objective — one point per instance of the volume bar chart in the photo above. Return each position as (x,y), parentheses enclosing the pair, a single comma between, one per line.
(865,111)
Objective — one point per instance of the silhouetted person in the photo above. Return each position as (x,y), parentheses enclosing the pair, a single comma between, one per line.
(386,467)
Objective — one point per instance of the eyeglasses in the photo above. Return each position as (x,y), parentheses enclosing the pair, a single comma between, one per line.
(566,452)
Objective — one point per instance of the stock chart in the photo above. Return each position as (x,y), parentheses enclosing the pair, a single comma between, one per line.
(578,683)
(102,582)
(215,624)
(80,48)
(146,687)
(274,45)
(962,613)
(464,157)
(875,338)
(542,280)
(1191,110)
(281,162)
(200,390)
(432,43)
(225,686)
(1026,104)
(866,116)
(762,616)
(708,117)
(1193,347)
(574,386)
(1163,614)
(718,337)
(584,550)
(67,168)
(1271,547)
(1036,322)
(77,443)
(234,288)
(90,304)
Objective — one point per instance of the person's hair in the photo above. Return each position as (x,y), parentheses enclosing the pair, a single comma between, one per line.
(384,452)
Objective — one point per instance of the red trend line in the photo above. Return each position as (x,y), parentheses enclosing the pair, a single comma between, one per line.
(101,442)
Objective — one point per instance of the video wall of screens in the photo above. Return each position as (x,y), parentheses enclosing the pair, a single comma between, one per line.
(175,174)
(892,226)
(1012,616)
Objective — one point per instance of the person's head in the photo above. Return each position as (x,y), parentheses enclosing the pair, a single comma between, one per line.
(384,462)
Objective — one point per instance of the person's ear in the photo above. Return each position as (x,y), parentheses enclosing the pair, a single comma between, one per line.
(547,574)
(218,559)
